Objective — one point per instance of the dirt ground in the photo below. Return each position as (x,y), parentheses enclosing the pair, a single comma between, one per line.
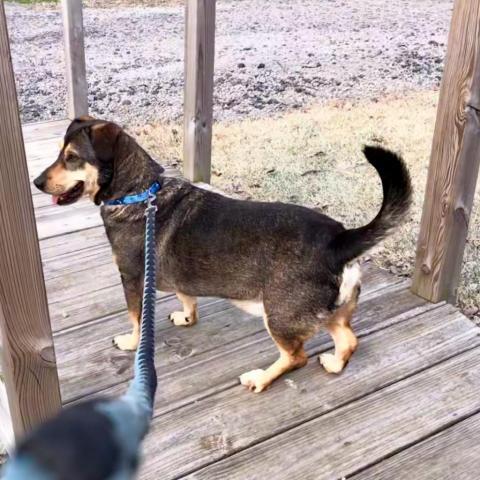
(314,158)
(268,60)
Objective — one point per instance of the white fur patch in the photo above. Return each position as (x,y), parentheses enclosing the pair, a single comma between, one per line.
(253,307)
(351,279)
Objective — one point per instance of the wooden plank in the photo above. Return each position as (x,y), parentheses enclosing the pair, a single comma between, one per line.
(67,219)
(216,370)
(74,242)
(41,154)
(83,282)
(452,453)
(77,87)
(187,439)
(52,130)
(454,162)
(28,356)
(198,103)
(107,366)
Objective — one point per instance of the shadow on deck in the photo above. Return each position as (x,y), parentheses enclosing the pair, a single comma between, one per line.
(406,406)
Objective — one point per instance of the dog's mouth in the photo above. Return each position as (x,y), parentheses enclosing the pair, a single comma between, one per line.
(70,196)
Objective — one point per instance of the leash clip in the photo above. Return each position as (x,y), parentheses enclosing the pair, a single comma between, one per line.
(151,203)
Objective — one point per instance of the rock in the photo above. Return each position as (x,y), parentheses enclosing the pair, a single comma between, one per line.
(471,311)
(240,65)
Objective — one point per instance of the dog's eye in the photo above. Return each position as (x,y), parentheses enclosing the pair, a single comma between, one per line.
(72,161)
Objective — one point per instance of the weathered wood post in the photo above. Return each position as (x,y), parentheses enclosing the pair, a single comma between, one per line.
(28,356)
(198,104)
(454,161)
(77,87)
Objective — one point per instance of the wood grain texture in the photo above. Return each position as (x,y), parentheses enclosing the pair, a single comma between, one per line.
(315,447)
(36,131)
(198,103)
(454,162)
(452,454)
(28,355)
(77,87)
(89,349)
(343,441)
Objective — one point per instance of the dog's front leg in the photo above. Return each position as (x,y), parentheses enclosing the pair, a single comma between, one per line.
(132,287)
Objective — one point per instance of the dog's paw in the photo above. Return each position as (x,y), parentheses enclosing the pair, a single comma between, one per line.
(331,363)
(126,342)
(179,319)
(255,380)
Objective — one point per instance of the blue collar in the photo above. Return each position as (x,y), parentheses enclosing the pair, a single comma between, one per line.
(137,198)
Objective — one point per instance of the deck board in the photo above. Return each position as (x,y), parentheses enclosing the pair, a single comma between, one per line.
(410,392)
(298,397)
(351,437)
(450,454)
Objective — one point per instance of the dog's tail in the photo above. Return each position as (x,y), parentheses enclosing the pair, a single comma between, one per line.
(397,196)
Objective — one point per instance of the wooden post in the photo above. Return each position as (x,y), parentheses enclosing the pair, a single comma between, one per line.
(28,356)
(199,59)
(454,162)
(77,87)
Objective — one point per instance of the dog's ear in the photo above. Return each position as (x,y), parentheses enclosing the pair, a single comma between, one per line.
(86,118)
(104,139)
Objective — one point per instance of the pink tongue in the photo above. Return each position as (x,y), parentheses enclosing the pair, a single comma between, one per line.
(54,199)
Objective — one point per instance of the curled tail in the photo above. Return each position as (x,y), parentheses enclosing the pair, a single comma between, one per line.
(397,196)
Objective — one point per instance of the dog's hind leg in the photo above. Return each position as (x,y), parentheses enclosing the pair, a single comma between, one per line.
(189,316)
(343,337)
(292,355)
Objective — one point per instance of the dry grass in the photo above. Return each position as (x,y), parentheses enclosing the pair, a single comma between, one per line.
(314,158)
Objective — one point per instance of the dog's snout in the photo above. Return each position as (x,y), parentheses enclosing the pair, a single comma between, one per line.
(40,181)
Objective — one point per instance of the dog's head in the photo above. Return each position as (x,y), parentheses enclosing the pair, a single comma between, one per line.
(84,166)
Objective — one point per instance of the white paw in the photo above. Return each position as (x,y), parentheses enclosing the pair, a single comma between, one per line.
(180,319)
(127,341)
(331,363)
(255,380)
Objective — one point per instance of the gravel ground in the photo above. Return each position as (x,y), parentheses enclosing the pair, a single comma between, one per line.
(268,60)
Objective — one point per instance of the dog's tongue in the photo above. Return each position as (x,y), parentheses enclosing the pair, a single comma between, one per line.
(55,199)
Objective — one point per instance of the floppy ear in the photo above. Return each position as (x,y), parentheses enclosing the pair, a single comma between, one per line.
(104,138)
(86,118)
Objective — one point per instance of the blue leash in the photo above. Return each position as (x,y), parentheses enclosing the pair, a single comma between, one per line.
(146,348)
(149,287)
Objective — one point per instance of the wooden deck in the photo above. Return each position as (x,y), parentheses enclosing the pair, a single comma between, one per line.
(407,406)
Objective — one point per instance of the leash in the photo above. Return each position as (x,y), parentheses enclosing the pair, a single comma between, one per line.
(149,285)
(149,282)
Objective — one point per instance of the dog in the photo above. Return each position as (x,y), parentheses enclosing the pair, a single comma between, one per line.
(289,264)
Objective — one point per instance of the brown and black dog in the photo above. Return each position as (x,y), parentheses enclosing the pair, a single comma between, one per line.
(286,263)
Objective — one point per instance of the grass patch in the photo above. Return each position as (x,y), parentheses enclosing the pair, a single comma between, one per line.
(314,158)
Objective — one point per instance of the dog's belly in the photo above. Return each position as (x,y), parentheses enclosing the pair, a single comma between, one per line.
(253,307)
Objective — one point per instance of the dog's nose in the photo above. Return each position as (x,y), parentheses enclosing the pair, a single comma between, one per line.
(39,182)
